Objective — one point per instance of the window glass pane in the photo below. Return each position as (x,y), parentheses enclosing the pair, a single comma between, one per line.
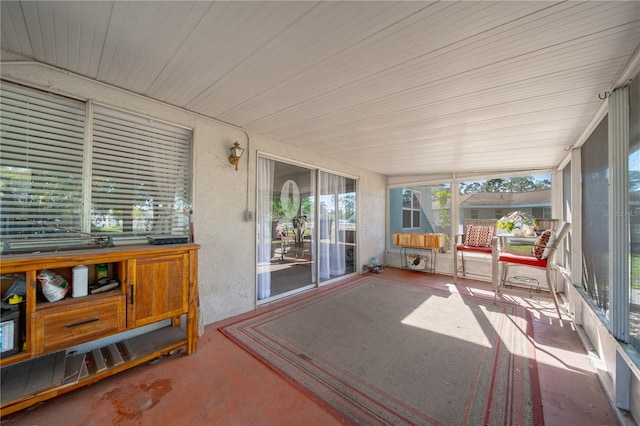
(407,197)
(286,228)
(595,225)
(298,249)
(336,211)
(566,200)
(141,180)
(416,200)
(406,218)
(634,216)
(416,219)
(41,164)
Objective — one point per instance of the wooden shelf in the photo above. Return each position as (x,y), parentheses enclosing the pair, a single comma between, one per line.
(39,379)
(157,283)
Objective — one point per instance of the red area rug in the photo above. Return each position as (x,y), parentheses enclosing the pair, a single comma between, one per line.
(376,351)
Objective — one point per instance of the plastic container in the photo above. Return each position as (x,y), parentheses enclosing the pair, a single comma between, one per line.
(10,330)
(80,283)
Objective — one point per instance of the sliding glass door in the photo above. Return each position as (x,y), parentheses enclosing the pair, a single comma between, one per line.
(303,238)
(337,225)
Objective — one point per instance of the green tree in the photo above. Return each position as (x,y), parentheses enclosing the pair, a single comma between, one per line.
(348,204)
(514,184)
(441,198)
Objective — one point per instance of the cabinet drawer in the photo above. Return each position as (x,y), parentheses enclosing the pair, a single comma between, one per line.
(58,327)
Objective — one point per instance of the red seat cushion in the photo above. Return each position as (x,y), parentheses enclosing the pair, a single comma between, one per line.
(523,259)
(482,249)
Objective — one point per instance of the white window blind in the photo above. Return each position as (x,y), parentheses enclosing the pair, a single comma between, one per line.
(141,180)
(139,169)
(41,163)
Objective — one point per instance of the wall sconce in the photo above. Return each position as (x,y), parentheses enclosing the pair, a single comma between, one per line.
(236,153)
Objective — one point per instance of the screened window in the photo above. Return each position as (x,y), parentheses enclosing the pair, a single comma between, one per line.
(634,214)
(432,209)
(495,198)
(139,170)
(595,223)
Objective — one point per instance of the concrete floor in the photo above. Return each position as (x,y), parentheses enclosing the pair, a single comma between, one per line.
(224,385)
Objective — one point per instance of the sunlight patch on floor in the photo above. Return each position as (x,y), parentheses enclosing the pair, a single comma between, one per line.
(458,320)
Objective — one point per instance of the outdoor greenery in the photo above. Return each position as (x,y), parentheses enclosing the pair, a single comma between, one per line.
(635,271)
(516,220)
(441,197)
(514,184)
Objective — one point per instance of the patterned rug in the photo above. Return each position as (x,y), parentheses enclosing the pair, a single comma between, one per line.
(376,351)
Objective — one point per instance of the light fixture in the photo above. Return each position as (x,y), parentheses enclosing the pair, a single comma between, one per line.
(236,153)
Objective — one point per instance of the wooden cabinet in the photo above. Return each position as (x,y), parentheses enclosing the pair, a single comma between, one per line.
(157,288)
(157,284)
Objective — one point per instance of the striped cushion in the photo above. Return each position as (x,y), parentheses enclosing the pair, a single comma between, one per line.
(478,236)
(542,249)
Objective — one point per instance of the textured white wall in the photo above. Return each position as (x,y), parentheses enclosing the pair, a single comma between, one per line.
(227,258)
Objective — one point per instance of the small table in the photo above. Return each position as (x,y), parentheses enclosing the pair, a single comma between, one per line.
(503,242)
(415,241)
(520,280)
(429,267)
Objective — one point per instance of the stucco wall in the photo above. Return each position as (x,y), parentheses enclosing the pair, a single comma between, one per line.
(221,195)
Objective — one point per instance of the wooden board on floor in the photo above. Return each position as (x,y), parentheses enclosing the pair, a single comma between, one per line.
(73,368)
(26,378)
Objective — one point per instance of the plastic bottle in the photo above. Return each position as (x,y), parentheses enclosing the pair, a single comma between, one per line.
(80,284)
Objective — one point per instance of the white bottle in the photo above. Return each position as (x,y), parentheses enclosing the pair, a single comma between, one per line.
(80,284)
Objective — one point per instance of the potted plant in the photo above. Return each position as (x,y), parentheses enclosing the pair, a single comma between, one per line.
(299,224)
(518,223)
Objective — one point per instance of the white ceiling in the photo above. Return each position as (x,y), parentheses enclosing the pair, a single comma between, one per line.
(395,87)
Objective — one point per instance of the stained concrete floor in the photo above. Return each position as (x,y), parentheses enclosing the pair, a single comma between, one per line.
(222,384)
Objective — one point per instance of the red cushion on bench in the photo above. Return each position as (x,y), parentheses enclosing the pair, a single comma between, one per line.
(523,259)
(464,247)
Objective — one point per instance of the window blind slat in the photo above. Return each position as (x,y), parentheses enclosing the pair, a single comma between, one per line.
(142,171)
(41,160)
